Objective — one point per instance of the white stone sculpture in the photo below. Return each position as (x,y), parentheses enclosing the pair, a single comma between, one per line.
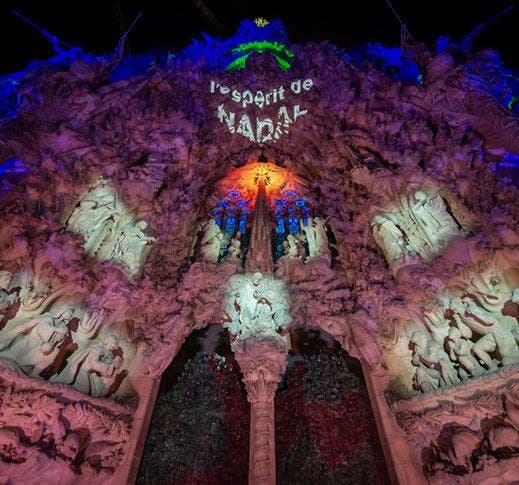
(389,237)
(291,249)
(256,307)
(34,344)
(93,368)
(131,244)
(434,370)
(233,253)
(88,325)
(431,216)
(460,351)
(211,243)
(315,232)
(33,296)
(487,285)
(495,332)
(418,223)
(94,216)
(6,298)
(110,231)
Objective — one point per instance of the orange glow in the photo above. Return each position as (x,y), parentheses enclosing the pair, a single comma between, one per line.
(246,179)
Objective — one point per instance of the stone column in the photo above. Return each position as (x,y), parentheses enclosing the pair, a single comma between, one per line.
(262,363)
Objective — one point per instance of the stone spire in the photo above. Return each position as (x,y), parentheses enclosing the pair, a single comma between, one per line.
(259,256)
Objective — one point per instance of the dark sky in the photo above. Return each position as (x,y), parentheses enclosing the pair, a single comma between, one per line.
(95,25)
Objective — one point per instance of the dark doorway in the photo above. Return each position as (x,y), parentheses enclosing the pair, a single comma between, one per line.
(325,428)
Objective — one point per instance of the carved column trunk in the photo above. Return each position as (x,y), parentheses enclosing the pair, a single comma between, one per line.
(262,363)
(260,251)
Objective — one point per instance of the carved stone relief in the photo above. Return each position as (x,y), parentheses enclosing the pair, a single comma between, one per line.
(461,333)
(467,431)
(417,224)
(110,231)
(256,307)
(50,329)
(39,420)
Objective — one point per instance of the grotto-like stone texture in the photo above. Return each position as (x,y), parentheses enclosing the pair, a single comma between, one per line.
(365,141)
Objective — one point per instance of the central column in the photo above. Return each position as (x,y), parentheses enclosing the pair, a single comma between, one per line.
(259,257)
(262,363)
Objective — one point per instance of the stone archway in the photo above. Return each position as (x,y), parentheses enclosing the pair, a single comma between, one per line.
(199,430)
(325,426)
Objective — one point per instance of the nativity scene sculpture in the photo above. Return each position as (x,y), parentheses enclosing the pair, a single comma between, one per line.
(256,307)
(109,230)
(417,224)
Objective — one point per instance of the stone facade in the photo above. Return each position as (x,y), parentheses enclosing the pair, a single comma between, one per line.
(110,254)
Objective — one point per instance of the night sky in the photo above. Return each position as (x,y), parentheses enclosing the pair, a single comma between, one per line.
(96,25)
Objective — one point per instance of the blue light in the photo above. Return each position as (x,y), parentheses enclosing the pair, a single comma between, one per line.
(242,203)
(243,226)
(13,166)
(223,203)
(213,52)
(306,211)
(291,210)
(232,212)
(234,194)
(293,225)
(391,60)
(245,212)
(218,222)
(282,202)
(278,212)
(300,202)
(280,226)
(230,224)
(305,221)
(289,193)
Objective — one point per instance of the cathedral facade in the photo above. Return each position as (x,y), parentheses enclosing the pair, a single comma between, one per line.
(261,188)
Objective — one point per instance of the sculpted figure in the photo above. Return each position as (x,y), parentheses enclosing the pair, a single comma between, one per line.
(460,351)
(263,322)
(433,369)
(484,283)
(6,298)
(233,254)
(211,242)
(33,296)
(34,344)
(256,306)
(130,245)
(291,249)
(470,317)
(94,217)
(93,368)
(432,217)
(388,236)
(88,326)
(315,232)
